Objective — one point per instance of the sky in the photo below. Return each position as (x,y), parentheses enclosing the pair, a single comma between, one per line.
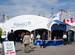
(15,8)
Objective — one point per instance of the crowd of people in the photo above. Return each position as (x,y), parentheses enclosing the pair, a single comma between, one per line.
(27,39)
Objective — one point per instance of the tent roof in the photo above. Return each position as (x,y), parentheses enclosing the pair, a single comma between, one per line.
(60,22)
(72,24)
(26,22)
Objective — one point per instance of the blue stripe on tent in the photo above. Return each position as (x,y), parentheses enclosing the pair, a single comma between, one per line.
(60,22)
(58,27)
(61,26)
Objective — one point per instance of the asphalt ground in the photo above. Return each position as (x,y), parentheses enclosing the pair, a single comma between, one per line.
(68,49)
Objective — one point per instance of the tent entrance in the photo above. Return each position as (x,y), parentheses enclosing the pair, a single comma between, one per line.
(70,35)
(58,30)
(40,32)
(57,33)
(18,32)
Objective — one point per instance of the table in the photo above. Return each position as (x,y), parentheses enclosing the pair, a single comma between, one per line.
(49,42)
(3,39)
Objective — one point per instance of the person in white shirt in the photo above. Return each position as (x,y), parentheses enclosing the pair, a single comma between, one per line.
(38,37)
(65,39)
(32,36)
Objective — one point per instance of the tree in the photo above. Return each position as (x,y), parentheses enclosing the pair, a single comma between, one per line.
(0,31)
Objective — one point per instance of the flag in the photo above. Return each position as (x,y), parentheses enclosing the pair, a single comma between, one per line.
(68,20)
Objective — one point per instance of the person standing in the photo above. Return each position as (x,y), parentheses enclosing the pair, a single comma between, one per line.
(26,41)
(32,36)
(38,36)
(0,39)
(22,36)
(12,37)
(65,39)
(43,39)
(55,38)
(32,40)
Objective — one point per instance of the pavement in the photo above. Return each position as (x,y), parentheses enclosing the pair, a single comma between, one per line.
(68,49)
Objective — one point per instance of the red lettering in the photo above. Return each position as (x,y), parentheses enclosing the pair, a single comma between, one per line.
(9,50)
(12,52)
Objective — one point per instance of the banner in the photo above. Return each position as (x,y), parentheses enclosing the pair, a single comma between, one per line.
(8,48)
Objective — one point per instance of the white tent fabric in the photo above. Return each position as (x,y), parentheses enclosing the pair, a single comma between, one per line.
(72,24)
(26,22)
(57,16)
(52,20)
(1,24)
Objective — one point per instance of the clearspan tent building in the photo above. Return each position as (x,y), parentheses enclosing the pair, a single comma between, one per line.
(29,23)
(38,24)
(34,23)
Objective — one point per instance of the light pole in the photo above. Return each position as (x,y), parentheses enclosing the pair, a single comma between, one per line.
(52,12)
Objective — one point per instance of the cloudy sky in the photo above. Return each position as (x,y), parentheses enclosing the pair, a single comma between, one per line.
(36,7)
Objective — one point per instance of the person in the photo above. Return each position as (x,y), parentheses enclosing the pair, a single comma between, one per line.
(38,37)
(26,41)
(0,47)
(0,39)
(32,39)
(43,39)
(65,39)
(49,36)
(22,36)
(12,37)
(55,38)
(32,36)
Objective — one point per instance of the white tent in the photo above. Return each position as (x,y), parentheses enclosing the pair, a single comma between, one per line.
(26,22)
(1,24)
(72,24)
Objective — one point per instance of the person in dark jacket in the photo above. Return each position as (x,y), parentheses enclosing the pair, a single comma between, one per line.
(0,39)
(11,36)
(43,39)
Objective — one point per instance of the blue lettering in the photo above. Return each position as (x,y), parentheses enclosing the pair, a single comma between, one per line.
(23,24)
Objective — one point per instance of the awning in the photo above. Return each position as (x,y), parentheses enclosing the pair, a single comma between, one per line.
(58,27)
(60,22)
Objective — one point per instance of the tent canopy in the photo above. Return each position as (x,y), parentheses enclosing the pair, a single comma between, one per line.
(26,22)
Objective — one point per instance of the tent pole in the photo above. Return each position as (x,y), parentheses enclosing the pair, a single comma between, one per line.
(48,34)
(34,35)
